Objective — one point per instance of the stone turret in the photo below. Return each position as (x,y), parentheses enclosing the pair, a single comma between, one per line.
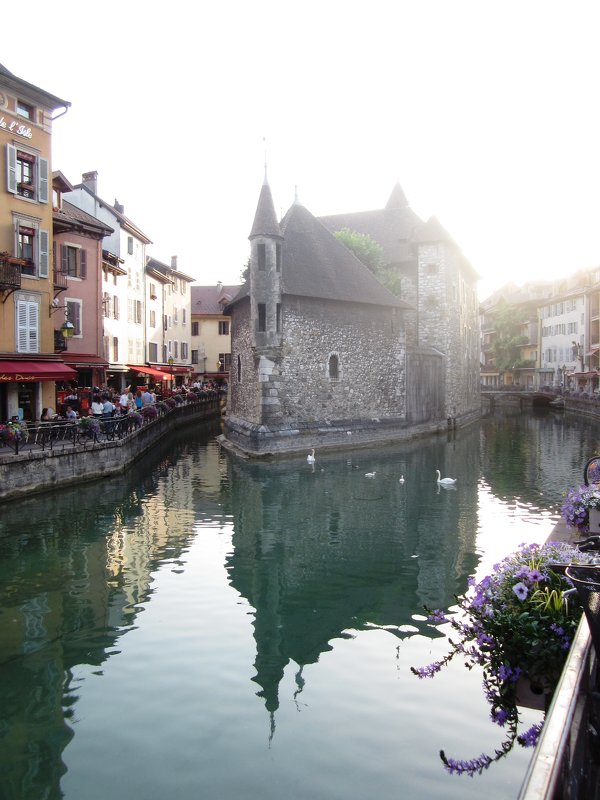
(266,242)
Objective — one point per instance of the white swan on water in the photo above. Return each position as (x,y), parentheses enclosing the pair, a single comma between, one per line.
(401,479)
(370,474)
(311,456)
(444,481)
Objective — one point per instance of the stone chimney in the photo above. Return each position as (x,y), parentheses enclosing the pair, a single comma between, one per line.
(219,287)
(90,180)
(118,207)
(173,262)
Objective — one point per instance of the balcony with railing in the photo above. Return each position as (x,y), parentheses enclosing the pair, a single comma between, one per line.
(59,278)
(10,273)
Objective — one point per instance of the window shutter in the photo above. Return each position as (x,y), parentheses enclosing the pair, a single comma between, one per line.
(83,264)
(11,168)
(42,180)
(64,259)
(27,327)
(22,327)
(44,253)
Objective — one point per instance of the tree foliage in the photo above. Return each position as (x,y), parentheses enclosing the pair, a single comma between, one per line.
(507,344)
(370,252)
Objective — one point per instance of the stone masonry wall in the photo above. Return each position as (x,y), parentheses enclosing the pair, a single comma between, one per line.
(448,321)
(370,354)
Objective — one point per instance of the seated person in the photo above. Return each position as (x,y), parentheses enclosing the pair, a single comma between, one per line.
(71,414)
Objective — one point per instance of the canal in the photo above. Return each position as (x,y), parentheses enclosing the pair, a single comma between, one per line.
(201,627)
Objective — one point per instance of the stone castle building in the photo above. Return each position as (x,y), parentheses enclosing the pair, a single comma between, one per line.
(323,355)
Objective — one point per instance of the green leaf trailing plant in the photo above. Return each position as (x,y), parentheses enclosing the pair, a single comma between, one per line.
(516,623)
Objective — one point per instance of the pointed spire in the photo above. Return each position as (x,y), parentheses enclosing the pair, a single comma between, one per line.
(397,198)
(265,221)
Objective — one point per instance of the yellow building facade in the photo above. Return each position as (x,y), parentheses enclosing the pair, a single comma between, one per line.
(29,367)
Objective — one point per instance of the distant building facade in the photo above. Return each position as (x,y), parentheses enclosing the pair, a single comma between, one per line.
(211,331)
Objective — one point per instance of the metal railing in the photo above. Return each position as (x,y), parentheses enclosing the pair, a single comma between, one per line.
(66,433)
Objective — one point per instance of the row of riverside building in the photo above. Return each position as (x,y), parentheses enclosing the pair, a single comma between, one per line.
(311,344)
(543,334)
(82,300)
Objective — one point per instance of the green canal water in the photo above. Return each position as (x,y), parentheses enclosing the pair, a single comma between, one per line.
(205,628)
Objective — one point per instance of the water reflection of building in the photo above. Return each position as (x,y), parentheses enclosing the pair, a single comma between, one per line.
(318,554)
(70,587)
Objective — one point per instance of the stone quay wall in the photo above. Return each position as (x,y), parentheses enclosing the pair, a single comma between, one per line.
(34,471)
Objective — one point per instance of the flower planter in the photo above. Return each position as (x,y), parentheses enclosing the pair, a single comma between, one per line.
(594,520)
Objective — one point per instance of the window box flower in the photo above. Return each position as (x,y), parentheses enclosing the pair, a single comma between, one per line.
(517,624)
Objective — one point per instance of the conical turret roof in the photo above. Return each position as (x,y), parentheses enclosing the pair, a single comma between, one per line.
(265,220)
(397,198)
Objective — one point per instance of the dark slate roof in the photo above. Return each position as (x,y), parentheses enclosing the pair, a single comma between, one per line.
(392,227)
(164,269)
(397,198)
(265,219)
(316,264)
(70,215)
(40,95)
(212,299)
(433,231)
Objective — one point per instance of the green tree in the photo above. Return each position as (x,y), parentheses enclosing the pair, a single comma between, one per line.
(370,253)
(507,344)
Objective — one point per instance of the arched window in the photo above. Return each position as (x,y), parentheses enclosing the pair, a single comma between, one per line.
(334,367)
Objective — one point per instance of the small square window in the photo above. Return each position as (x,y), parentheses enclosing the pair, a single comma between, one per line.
(24,110)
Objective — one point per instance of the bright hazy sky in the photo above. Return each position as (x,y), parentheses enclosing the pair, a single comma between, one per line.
(487,112)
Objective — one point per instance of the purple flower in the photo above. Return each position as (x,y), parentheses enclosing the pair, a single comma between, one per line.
(535,576)
(520,590)
(531,736)
(499,716)
(427,672)
(437,616)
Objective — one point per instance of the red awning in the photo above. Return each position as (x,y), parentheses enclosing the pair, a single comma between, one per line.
(85,360)
(155,373)
(28,371)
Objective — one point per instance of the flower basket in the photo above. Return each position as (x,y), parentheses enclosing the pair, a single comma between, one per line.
(517,624)
(578,503)
(170,402)
(14,432)
(89,425)
(149,412)
(136,418)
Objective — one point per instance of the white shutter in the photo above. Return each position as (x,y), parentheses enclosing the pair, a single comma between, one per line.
(27,327)
(22,326)
(42,180)
(33,328)
(43,261)
(11,168)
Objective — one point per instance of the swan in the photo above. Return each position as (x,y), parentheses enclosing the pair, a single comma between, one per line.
(401,480)
(444,481)
(311,456)
(370,474)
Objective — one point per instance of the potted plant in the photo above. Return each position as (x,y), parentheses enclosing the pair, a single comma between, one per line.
(518,624)
(90,426)
(13,432)
(582,504)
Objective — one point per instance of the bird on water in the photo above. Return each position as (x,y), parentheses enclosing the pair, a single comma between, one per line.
(444,481)
(311,456)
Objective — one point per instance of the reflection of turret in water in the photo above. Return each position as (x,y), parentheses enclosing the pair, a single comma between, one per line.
(319,554)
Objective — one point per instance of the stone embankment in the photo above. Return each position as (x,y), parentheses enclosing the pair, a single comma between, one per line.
(34,470)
